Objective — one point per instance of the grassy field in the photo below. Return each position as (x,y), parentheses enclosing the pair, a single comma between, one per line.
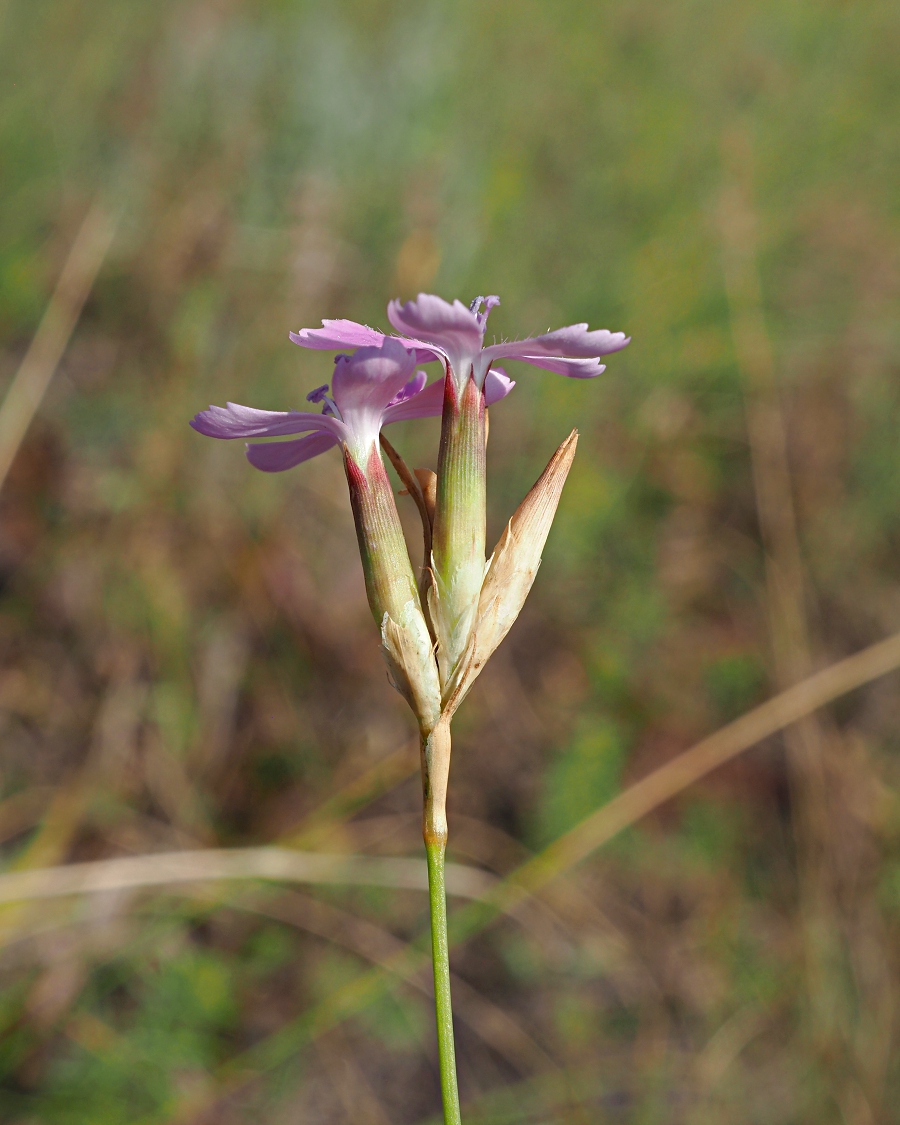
(187,660)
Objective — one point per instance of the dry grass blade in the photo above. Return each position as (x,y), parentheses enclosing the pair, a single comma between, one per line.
(467,882)
(54,332)
(366,787)
(623,811)
(612,818)
(495,1026)
(169,868)
(669,780)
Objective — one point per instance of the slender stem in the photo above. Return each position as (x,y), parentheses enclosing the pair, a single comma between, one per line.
(440,950)
(413,488)
(435,774)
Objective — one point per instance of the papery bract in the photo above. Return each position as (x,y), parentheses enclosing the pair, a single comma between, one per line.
(511,570)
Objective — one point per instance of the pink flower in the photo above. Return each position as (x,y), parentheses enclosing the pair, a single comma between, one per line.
(375,386)
(454,334)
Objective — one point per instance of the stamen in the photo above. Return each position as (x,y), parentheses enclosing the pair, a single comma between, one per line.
(489,303)
(320,394)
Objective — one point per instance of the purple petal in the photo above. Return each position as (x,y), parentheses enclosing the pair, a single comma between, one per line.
(574,368)
(497,385)
(575,341)
(428,403)
(337,334)
(413,387)
(280,455)
(234,421)
(578,342)
(454,329)
(430,318)
(370,378)
(365,383)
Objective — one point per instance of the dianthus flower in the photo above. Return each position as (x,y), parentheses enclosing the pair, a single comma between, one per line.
(373,386)
(454,335)
(369,390)
(435,648)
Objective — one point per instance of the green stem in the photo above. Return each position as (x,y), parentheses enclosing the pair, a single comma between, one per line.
(435,774)
(440,950)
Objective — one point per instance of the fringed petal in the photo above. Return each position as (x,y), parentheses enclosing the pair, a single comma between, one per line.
(573,368)
(277,456)
(575,342)
(497,385)
(337,334)
(428,403)
(454,330)
(235,421)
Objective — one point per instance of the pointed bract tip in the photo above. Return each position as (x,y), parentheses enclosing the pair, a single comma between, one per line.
(565,453)
(535,514)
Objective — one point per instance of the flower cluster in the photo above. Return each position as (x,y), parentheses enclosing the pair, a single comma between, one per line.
(438,632)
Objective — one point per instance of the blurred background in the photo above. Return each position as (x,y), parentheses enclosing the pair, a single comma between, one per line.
(187,660)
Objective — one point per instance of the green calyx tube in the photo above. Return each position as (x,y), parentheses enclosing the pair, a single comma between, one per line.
(458,546)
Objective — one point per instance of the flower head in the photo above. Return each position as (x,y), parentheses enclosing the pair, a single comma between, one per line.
(454,333)
(457,333)
(371,388)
